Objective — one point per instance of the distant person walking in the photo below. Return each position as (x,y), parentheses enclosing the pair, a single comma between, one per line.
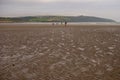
(61,22)
(53,23)
(65,23)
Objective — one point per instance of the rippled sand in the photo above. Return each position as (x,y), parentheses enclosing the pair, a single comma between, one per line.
(45,52)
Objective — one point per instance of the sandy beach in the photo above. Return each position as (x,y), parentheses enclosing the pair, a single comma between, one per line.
(46,52)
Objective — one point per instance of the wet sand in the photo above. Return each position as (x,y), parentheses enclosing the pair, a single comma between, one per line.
(46,52)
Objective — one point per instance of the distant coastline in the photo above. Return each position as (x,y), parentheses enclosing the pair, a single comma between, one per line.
(54,19)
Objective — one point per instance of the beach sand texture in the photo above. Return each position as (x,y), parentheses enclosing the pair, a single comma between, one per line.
(46,52)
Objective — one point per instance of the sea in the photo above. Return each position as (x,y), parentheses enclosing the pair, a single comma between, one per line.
(69,23)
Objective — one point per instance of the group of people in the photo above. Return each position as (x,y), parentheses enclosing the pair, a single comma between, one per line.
(65,23)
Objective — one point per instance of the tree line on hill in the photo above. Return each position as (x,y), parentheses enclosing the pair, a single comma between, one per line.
(55,19)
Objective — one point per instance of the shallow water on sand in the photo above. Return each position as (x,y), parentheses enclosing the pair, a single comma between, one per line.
(70,23)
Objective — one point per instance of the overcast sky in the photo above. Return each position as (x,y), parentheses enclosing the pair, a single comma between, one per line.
(101,8)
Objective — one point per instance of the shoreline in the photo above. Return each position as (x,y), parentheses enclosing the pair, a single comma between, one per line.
(69,23)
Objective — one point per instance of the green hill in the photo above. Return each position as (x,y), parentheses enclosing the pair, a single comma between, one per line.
(55,19)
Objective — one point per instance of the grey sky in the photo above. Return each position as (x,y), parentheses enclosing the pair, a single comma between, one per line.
(100,8)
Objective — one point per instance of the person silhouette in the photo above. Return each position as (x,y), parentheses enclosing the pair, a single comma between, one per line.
(65,23)
(53,23)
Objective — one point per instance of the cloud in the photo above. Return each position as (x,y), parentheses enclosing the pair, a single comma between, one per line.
(48,1)
(61,0)
(27,2)
(108,8)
